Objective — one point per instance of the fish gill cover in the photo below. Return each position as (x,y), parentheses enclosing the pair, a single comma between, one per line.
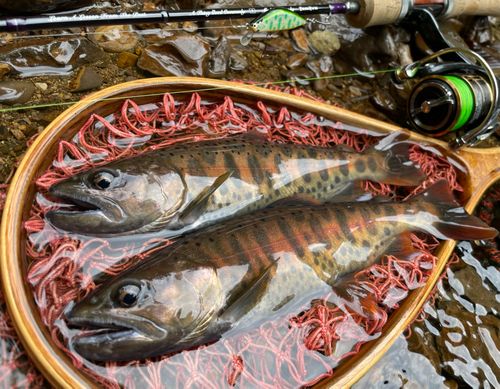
(297,350)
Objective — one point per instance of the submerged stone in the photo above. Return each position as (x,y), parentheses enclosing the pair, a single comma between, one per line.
(325,42)
(296,61)
(300,38)
(218,59)
(282,43)
(126,60)
(116,39)
(321,68)
(181,55)
(4,69)
(15,92)
(237,62)
(300,76)
(85,79)
(47,56)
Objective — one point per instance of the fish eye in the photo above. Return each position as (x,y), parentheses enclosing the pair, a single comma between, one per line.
(129,295)
(103,180)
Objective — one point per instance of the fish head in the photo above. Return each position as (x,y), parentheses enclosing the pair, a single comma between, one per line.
(118,198)
(146,314)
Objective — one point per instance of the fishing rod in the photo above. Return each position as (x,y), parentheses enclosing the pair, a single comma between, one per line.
(18,24)
(362,13)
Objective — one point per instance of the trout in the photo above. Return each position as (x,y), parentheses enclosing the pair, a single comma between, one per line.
(185,187)
(232,276)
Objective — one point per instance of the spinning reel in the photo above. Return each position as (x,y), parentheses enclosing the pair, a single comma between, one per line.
(453,97)
(458,96)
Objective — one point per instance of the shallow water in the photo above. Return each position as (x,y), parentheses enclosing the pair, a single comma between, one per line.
(457,344)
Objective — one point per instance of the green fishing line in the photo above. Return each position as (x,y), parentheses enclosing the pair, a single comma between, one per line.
(237,86)
(467,99)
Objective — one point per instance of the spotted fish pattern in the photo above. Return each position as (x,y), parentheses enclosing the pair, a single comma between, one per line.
(239,273)
(193,185)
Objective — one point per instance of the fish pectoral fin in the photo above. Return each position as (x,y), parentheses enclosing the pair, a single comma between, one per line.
(250,297)
(357,295)
(198,205)
(352,192)
(402,248)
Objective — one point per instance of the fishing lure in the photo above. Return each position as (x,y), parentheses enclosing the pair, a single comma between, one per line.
(278,19)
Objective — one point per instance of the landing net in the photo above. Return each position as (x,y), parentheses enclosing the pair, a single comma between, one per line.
(296,351)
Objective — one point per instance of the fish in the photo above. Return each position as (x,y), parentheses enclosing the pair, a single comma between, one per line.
(189,186)
(232,276)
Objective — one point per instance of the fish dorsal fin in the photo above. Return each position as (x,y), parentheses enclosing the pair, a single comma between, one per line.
(438,193)
(388,141)
(402,248)
(345,148)
(256,135)
(248,298)
(198,205)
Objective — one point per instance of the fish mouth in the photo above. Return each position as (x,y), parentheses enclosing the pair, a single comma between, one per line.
(88,207)
(111,339)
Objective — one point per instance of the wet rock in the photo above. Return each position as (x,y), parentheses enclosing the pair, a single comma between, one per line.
(15,92)
(192,48)
(325,42)
(116,39)
(281,43)
(4,69)
(404,55)
(296,61)
(300,38)
(218,59)
(18,134)
(237,62)
(4,132)
(467,282)
(47,56)
(422,45)
(39,6)
(321,68)
(422,342)
(41,85)
(300,76)
(160,35)
(468,345)
(85,79)
(126,60)
(384,102)
(216,28)
(190,27)
(366,51)
(181,55)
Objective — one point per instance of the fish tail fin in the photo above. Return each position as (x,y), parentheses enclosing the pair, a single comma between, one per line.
(454,221)
(357,296)
(394,165)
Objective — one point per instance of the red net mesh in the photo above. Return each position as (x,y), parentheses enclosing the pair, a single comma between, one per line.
(292,352)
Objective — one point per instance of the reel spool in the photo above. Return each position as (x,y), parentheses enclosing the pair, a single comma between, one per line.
(440,104)
(453,97)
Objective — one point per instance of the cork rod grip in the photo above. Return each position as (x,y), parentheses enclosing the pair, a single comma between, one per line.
(376,13)
(475,7)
